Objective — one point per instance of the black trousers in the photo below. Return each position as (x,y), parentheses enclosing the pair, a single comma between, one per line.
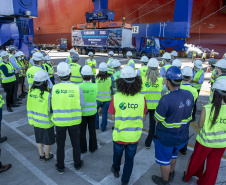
(16,87)
(151,128)
(9,89)
(61,133)
(195,106)
(90,121)
(52,80)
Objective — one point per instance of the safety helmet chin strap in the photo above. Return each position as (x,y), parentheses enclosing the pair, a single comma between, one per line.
(128,81)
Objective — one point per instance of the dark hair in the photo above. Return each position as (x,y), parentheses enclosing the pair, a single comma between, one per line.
(36,62)
(177,84)
(129,88)
(65,78)
(103,75)
(86,77)
(216,106)
(186,78)
(43,87)
(223,70)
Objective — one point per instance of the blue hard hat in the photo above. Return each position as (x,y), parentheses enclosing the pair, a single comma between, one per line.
(173,73)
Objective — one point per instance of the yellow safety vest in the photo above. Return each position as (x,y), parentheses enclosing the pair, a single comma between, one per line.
(76,76)
(212,76)
(104,89)
(10,70)
(50,69)
(143,70)
(211,92)
(110,69)
(70,60)
(91,63)
(1,101)
(131,61)
(196,78)
(30,75)
(193,90)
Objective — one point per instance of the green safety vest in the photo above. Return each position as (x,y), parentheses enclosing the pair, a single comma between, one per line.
(152,93)
(110,69)
(76,76)
(191,89)
(143,70)
(70,60)
(129,111)
(131,61)
(1,101)
(196,78)
(116,76)
(90,95)
(50,69)
(38,112)
(204,55)
(216,136)
(194,54)
(90,63)
(104,89)
(10,70)
(30,75)
(66,104)
(213,75)
(1,59)
(21,64)
(167,66)
(211,92)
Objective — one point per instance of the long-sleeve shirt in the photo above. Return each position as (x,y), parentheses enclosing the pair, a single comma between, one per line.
(132,64)
(163,70)
(201,80)
(13,62)
(32,62)
(67,60)
(138,72)
(110,63)
(5,70)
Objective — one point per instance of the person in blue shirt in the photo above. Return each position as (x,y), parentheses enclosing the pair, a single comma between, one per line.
(173,115)
(167,60)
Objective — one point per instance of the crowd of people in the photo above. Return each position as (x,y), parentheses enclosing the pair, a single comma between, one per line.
(167,94)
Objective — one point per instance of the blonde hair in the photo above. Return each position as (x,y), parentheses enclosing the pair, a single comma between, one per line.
(152,75)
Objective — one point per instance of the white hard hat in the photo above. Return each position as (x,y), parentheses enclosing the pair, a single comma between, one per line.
(87,70)
(127,72)
(41,76)
(17,54)
(187,71)
(111,53)
(221,63)
(4,54)
(21,53)
(129,54)
(63,69)
(198,64)
(103,67)
(72,50)
(144,59)
(90,53)
(153,62)
(174,53)
(47,58)
(38,56)
(220,84)
(166,56)
(177,63)
(11,48)
(115,63)
(34,51)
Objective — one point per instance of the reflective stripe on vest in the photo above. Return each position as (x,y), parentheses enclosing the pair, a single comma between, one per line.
(197,78)
(131,61)
(90,63)
(129,129)
(212,76)
(10,70)
(76,76)
(30,75)
(1,101)
(104,89)
(110,69)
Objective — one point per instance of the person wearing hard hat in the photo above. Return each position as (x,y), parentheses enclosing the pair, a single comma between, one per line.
(92,63)
(104,84)
(128,109)
(174,55)
(177,63)
(88,111)
(212,54)
(48,67)
(109,62)
(69,60)
(117,68)
(212,62)
(38,113)
(131,62)
(8,80)
(152,86)
(211,140)
(31,62)
(173,115)
(198,79)
(204,56)
(144,62)
(194,56)
(76,76)
(67,103)
(166,58)
(220,72)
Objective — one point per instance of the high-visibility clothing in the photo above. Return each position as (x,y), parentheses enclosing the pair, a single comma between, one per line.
(116,76)
(131,61)
(193,90)
(15,60)
(167,67)
(76,76)
(50,69)
(70,60)
(211,92)
(90,96)
(152,93)
(104,89)
(129,111)
(212,76)
(212,55)
(204,55)
(214,137)
(110,69)
(38,112)
(194,54)
(30,75)
(10,70)
(143,70)
(66,104)
(91,63)
(1,101)
(21,64)
(197,78)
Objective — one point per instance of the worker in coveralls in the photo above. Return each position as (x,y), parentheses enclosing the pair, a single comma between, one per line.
(128,109)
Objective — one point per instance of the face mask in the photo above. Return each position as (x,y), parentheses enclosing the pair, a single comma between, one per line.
(48,62)
(197,69)
(23,58)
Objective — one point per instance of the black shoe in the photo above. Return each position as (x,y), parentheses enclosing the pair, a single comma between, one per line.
(116,173)
(171,176)
(49,158)
(18,99)
(42,158)
(183,152)
(82,152)
(60,171)
(81,165)
(183,178)
(124,183)
(9,109)
(147,147)
(3,139)
(18,102)
(15,105)
(159,181)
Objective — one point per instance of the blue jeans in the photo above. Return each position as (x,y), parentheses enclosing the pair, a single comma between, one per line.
(0,121)
(130,152)
(105,106)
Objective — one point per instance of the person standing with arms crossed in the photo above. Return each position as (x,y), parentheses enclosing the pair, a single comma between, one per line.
(76,76)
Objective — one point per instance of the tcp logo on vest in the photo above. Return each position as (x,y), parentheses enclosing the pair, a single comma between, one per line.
(61,91)
(123,106)
(148,85)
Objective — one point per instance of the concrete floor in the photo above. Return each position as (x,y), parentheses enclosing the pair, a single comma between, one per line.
(20,149)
